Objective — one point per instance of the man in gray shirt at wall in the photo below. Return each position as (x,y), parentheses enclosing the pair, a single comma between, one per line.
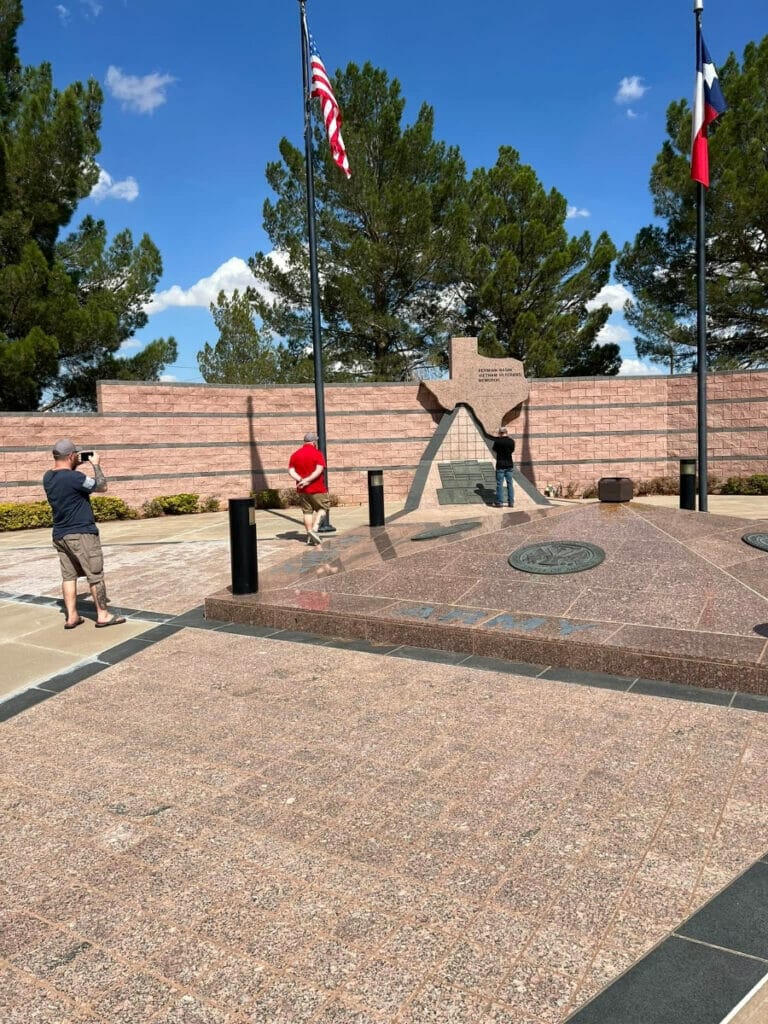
(75,533)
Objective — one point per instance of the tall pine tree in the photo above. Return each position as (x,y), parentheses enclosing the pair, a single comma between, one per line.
(660,265)
(524,286)
(67,305)
(387,237)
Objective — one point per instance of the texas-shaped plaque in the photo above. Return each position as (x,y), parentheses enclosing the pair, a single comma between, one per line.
(493,388)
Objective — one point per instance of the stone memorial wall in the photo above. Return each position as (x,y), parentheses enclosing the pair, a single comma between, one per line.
(169,438)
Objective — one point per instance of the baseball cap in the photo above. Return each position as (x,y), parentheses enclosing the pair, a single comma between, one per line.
(63,448)
(310,437)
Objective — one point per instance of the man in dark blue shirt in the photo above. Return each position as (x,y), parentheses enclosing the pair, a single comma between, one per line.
(75,533)
(503,447)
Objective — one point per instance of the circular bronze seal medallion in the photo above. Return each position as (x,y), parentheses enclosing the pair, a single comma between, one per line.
(446,531)
(554,557)
(756,540)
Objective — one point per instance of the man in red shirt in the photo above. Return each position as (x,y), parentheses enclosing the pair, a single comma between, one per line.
(307,467)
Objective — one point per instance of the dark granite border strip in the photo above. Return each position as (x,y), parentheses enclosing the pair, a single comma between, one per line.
(701,971)
(194,618)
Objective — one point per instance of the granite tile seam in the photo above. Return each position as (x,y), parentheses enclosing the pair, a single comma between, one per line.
(178,989)
(373,952)
(648,519)
(580,861)
(722,949)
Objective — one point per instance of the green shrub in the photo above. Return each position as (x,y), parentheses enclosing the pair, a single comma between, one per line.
(107,508)
(152,508)
(269,498)
(658,485)
(25,515)
(757,483)
(211,504)
(179,504)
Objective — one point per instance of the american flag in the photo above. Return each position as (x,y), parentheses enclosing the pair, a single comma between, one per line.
(708,103)
(321,88)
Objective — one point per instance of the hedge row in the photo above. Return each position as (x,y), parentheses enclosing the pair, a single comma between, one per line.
(31,514)
(755,484)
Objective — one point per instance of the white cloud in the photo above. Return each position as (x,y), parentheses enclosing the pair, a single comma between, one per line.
(613,332)
(635,368)
(631,114)
(631,89)
(130,344)
(107,188)
(140,93)
(63,13)
(234,274)
(575,211)
(168,378)
(613,295)
(93,6)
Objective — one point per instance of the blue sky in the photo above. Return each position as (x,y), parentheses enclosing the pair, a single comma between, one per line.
(197,97)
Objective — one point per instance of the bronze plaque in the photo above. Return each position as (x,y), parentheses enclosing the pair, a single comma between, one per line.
(756,540)
(553,558)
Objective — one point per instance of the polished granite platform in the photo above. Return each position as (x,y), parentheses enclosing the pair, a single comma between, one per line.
(679,597)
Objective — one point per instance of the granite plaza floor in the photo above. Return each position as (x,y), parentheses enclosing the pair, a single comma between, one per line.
(223,823)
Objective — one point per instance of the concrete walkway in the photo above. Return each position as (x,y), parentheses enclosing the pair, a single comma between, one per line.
(163,567)
(219,826)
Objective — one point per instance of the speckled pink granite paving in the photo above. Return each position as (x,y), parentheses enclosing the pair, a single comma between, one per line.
(232,829)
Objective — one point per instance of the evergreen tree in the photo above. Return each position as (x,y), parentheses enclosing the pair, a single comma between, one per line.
(65,306)
(243,354)
(387,238)
(524,287)
(660,265)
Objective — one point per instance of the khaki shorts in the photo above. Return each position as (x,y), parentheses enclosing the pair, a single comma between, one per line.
(80,555)
(315,502)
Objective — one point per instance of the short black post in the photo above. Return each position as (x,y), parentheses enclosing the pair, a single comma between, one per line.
(375,497)
(242,546)
(688,484)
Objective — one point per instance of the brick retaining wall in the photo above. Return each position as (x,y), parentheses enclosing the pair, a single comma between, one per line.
(167,438)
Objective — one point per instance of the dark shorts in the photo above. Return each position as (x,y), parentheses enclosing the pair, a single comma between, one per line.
(80,555)
(315,502)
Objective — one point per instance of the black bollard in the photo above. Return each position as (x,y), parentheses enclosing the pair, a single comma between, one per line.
(688,484)
(242,546)
(375,497)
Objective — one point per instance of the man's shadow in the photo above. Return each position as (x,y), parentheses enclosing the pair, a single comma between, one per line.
(487,495)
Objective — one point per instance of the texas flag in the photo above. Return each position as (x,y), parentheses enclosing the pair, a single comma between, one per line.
(708,103)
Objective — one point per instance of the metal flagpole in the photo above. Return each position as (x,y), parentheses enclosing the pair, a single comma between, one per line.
(317,353)
(701,309)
